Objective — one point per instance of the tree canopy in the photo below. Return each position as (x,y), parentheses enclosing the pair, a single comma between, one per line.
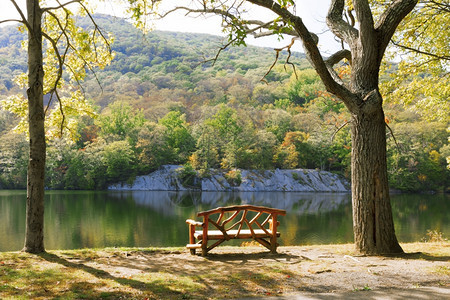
(421,77)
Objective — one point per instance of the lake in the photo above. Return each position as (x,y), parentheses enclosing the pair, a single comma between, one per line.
(87,219)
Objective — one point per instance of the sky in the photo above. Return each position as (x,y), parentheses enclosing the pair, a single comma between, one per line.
(312,12)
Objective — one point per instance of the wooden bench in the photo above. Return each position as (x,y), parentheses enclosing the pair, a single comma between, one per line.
(235,222)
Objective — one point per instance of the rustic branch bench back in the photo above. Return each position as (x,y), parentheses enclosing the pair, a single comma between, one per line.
(235,222)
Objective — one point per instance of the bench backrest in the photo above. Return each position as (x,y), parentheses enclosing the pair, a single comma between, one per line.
(241,217)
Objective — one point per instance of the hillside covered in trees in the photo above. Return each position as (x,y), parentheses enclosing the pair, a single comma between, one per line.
(162,102)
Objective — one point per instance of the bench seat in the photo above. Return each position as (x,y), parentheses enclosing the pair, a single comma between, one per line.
(235,222)
(243,234)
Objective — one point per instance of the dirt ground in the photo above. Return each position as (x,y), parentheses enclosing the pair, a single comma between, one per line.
(252,271)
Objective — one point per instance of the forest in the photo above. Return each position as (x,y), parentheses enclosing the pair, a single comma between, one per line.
(164,101)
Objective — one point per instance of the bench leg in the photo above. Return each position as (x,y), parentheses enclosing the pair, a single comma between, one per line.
(205,237)
(204,247)
(192,237)
(273,239)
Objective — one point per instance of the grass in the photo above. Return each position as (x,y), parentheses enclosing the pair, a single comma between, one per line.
(164,273)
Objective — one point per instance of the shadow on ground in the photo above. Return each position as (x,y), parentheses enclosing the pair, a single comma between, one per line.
(87,289)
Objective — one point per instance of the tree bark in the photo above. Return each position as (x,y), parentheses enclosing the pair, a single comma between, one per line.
(34,234)
(373,225)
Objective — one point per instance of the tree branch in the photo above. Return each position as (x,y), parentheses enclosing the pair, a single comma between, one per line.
(439,6)
(24,19)
(60,68)
(313,53)
(389,20)
(62,112)
(61,5)
(226,14)
(393,136)
(445,57)
(365,19)
(278,50)
(339,129)
(336,58)
(220,51)
(69,44)
(332,82)
(54,90)
(12,20)
(338,26)
(96,27)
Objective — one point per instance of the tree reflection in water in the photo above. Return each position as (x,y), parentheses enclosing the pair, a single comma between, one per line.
(78,219)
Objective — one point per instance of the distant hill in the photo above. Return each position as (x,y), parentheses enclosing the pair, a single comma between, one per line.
(210,115)
(159,63)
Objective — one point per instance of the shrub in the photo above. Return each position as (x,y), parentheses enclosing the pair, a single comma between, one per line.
(188,176)
(233,177)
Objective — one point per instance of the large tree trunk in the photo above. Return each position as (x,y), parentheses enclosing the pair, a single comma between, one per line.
(34,235)
(373,224)
(372,215)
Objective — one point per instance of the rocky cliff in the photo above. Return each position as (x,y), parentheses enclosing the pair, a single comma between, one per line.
(168,178)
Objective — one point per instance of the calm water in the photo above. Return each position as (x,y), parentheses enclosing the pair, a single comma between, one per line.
(103,219)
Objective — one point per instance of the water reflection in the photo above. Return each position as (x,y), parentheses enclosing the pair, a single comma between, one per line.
(140,218)
(298,203)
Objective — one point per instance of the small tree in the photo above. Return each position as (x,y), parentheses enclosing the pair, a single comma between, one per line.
(66,48)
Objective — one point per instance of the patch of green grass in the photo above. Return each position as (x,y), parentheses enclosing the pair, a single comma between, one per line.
(364,288)
(436,249)
(443,270)
(161,282)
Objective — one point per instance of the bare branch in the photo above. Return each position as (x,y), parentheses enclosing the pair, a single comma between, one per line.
(393,136)
(219,51)
(445,57)
(278,50)
(271,67)
(22,15)
(288,62)
(352,18)
(61,5)
(199,11)
(78,80)
(12,20)
(339,129)
(226,14)
(62,111)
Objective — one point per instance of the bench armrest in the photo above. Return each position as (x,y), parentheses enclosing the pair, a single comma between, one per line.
(195,223)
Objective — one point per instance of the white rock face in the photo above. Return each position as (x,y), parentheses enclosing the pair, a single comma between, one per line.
(164,179)
(298,180)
